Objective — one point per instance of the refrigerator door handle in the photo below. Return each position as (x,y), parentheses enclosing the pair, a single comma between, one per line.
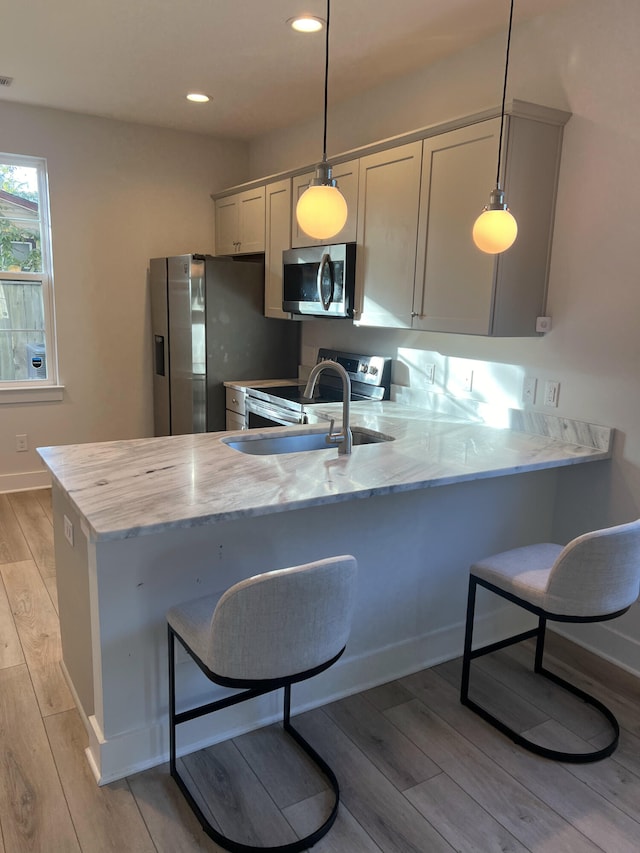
(159,355)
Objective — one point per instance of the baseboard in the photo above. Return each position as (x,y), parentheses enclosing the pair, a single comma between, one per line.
(24,481)
(606,642)
(134,751)
(130,752)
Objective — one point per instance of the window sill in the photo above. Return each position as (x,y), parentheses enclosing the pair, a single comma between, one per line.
(36,394)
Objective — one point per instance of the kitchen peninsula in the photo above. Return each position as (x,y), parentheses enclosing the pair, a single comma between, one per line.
(143,524)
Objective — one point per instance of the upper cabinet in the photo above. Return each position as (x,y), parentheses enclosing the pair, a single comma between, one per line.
(458,288)
(346,174)
(454,282)
(412,202)
(240,223)
(388,207)
(277,239)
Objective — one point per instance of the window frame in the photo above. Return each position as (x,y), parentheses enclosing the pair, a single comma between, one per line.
(33,390)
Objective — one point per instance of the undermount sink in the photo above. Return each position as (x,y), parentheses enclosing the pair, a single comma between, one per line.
(298,441)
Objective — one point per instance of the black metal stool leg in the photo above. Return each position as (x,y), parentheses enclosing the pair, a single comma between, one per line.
(184,716)
(539,633)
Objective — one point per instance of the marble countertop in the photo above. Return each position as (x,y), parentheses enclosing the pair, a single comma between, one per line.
(143,486)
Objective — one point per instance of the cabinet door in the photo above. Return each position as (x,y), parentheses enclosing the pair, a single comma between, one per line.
(346,174)
(389,188)
(226,225)
(278,232)
(251,221)
(454,280)
(235,421)
(240,223)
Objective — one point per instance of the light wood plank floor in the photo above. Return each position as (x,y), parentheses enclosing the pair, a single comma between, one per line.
(418,772)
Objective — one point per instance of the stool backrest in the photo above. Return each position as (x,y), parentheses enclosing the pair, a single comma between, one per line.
(597,573)
(284,622)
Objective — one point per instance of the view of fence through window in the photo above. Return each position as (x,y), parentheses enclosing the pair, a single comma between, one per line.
(23,353)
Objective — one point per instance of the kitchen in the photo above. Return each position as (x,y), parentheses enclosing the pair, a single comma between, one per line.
(147,193)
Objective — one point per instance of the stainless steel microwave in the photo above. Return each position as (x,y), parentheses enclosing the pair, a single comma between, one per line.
(319,280)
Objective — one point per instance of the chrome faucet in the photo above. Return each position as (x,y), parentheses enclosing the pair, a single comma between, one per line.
(343,437)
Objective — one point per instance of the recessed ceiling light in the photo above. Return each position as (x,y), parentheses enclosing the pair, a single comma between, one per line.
(306,23)
(198,97)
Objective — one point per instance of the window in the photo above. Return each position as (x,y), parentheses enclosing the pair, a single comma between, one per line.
(27,333)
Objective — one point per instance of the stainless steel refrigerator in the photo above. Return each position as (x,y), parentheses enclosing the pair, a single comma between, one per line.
(208,327)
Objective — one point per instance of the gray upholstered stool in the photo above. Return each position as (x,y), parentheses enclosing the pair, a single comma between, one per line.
(594,578)
(266,632)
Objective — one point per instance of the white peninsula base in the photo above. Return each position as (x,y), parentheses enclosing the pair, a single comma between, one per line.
(413,550)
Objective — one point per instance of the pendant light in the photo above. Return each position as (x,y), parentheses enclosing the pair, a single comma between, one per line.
(322,210)
(495,230)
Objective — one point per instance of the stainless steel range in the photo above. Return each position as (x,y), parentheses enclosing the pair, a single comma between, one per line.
(278,405)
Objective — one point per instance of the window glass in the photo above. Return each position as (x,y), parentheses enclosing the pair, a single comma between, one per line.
(27,342)
(20,224)
(22,331)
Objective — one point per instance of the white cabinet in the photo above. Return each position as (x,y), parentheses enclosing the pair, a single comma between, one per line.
(240,223)
(346,174)
(236,413)
(418,267)
(454,279)
(388,203)
(277,239)
(458,287)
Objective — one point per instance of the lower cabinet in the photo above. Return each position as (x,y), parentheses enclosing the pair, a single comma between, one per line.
(236,417)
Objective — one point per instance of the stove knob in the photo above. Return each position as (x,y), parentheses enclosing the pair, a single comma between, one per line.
(373,370)
(364,368)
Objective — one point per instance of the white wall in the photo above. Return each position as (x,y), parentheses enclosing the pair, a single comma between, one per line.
(120,194)
(583,59)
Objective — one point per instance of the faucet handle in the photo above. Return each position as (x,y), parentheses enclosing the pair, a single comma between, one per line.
(333,437)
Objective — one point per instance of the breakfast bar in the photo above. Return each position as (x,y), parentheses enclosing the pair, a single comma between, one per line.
(144,524)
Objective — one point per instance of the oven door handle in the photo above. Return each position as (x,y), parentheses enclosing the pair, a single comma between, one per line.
(325,264)
(274,413)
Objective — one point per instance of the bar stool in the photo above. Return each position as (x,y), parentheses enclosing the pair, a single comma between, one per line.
(594,578)
(267,632)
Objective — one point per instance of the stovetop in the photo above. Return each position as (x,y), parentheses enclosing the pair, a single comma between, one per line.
(370,380)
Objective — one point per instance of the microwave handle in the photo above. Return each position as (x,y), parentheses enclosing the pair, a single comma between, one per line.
(325,262)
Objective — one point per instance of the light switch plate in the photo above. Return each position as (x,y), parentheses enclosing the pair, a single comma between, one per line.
(551,393)
(529,385)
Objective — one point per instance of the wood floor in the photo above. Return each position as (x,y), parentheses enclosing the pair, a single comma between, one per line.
(418,772)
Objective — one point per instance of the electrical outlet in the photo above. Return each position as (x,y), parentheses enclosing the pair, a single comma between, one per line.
(68,530)
(429,373)
(529,389)
(467,381)
(551,393)
(21,443)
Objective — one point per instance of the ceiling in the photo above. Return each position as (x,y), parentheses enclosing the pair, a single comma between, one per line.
(136,59)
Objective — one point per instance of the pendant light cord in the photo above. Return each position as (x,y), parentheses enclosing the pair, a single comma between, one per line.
(326,82)
(504,91)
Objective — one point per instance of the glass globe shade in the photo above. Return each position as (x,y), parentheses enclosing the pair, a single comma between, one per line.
(495,231)
(321,211)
